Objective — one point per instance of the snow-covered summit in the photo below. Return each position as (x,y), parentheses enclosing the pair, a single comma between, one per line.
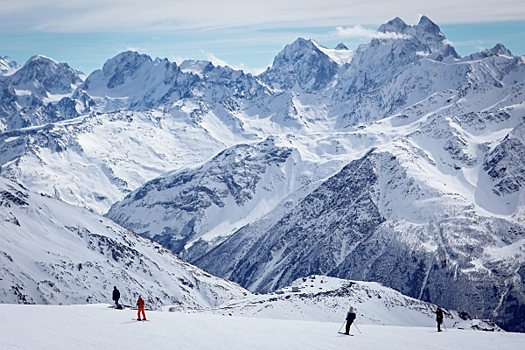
(497,50)
(425,32)
(38,93)
(130,78)
(302,63)
(43,76)
(7,65)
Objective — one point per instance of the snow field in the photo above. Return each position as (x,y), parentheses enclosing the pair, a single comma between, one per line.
(83,327)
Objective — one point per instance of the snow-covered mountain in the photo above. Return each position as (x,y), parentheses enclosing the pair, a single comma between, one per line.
(376,221)
(397,162)
(327,299)
(43,77)
(54,253)
(193,206)
(39,93)
(7,65)
(135,81)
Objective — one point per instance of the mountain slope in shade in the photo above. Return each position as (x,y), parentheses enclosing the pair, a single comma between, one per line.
(53,253)
(375,221)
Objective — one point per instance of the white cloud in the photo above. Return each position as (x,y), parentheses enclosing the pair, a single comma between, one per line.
(357,32)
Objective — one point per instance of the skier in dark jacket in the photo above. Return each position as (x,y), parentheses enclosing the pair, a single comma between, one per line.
(116,297)
(439,318)
(350,317)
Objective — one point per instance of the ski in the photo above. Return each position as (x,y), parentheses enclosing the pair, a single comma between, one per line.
(345,333)
(136,319)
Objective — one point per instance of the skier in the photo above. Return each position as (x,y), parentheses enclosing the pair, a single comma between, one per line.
(439,318)
(350,317)
(140,304)
(116,297)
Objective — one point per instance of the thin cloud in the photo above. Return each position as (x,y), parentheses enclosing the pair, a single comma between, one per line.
(165,15)
(358,32)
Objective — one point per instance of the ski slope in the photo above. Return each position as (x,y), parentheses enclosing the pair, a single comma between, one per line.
(83,327)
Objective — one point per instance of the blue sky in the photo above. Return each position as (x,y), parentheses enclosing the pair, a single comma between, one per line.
(245,34)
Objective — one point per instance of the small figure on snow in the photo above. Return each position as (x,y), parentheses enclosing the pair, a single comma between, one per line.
(141,310)
(350,317)
(116,297)
(439,318)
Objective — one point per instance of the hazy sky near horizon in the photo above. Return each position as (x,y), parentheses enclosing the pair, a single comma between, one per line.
(244,34)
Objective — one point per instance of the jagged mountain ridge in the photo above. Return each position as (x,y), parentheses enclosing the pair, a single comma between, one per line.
(383,91)
(213,99)
(247,109)
(53,253)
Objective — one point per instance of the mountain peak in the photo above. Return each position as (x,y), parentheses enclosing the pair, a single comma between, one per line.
(425,32)
(122,65)
(396,25)
(427,24)
(500,49)
(300,44)
(41,58)
(429,32)
(304,63)
(7,65)
(42,75)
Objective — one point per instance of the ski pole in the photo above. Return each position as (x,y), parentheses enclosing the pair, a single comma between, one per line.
(357,328)
(341,327)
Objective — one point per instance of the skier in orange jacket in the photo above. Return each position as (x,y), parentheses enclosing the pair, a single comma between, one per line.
(140,304)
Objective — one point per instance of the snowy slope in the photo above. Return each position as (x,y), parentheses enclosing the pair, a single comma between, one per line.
(307,317)
(96,326)
(54,253)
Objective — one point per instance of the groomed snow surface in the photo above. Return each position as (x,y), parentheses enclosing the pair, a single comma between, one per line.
(83,327)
